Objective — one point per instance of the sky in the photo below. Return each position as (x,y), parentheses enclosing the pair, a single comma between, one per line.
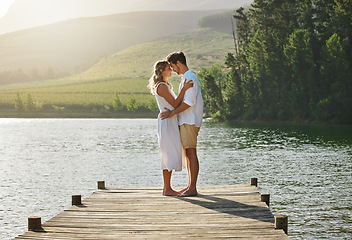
(29,13)
(22,14)
(4,6)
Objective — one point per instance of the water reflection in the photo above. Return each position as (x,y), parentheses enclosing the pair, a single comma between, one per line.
(305,168)
(302,133)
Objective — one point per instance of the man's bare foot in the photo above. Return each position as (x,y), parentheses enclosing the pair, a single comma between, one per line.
(188,193)
(170,192)
(184,190)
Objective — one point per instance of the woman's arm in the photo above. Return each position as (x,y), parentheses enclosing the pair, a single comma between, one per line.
(163,91)
(186,86)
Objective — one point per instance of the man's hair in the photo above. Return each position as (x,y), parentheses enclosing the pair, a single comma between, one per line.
(176,56)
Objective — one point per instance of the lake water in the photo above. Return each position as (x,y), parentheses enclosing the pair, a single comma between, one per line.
(307,169)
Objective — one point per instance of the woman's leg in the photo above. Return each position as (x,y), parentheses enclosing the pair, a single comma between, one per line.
(168,191)
(189,175)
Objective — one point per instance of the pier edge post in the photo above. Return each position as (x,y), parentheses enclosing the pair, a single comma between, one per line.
(34,223)
(101,185)
(76,200)
(281,222)
(265,197)
(254,182)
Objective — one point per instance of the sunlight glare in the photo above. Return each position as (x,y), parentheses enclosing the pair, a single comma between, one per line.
(4,6)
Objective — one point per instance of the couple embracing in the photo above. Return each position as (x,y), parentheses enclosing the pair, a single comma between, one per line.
(179,121)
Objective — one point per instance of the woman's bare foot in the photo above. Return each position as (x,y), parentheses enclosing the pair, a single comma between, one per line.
(170,192)
(188,193)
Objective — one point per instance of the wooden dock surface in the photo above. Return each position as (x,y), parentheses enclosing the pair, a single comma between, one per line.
(234,211)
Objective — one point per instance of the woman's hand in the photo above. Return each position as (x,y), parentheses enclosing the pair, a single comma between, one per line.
(188,84)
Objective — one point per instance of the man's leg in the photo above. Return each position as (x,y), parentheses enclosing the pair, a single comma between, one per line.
(189,135)
(168,191)
(193,169)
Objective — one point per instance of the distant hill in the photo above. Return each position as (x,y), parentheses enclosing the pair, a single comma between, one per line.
(68,44)
(221,22)
(203,47)
(126,72)
(26,14)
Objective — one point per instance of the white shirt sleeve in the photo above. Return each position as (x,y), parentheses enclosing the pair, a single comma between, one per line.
(190,97)
(193,97)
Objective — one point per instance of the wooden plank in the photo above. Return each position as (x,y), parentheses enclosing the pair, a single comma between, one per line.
(218,212)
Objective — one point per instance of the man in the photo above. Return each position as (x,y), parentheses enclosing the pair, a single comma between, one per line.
(190,115)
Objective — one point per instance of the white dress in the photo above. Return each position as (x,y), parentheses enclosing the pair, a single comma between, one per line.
(172,154)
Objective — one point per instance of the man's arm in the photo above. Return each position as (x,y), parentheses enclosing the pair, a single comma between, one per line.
(188,101)
(167,114)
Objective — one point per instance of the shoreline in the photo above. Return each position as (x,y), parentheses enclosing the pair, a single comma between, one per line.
(152,115)
(81,115)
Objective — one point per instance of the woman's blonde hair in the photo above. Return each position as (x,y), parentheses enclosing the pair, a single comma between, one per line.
(157,77)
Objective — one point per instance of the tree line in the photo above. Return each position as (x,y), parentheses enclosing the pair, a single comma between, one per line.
(292,60)
(29,104)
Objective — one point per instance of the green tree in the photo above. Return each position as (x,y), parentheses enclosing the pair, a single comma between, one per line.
(212,82)
(19,106)
(153,106)
(243,30)
(336,73)
(300,60)
(118,106)
(342,22)
(234,95)
(265,69)
(29,104)
(132,105)
(292,60)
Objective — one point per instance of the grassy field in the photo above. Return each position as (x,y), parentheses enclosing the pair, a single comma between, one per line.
(126,73)
(90,92)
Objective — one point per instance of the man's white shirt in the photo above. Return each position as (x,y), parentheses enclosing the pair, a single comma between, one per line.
(193,97)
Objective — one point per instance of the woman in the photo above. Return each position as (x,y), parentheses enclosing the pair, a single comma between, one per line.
(172,155)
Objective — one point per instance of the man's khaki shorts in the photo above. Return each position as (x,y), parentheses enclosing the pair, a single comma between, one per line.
(189,134)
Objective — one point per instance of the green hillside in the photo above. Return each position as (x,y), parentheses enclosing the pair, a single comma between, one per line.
(75,43)
(125,73)
(202,47)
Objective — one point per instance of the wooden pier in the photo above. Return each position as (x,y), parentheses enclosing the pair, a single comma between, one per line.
(234,211)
